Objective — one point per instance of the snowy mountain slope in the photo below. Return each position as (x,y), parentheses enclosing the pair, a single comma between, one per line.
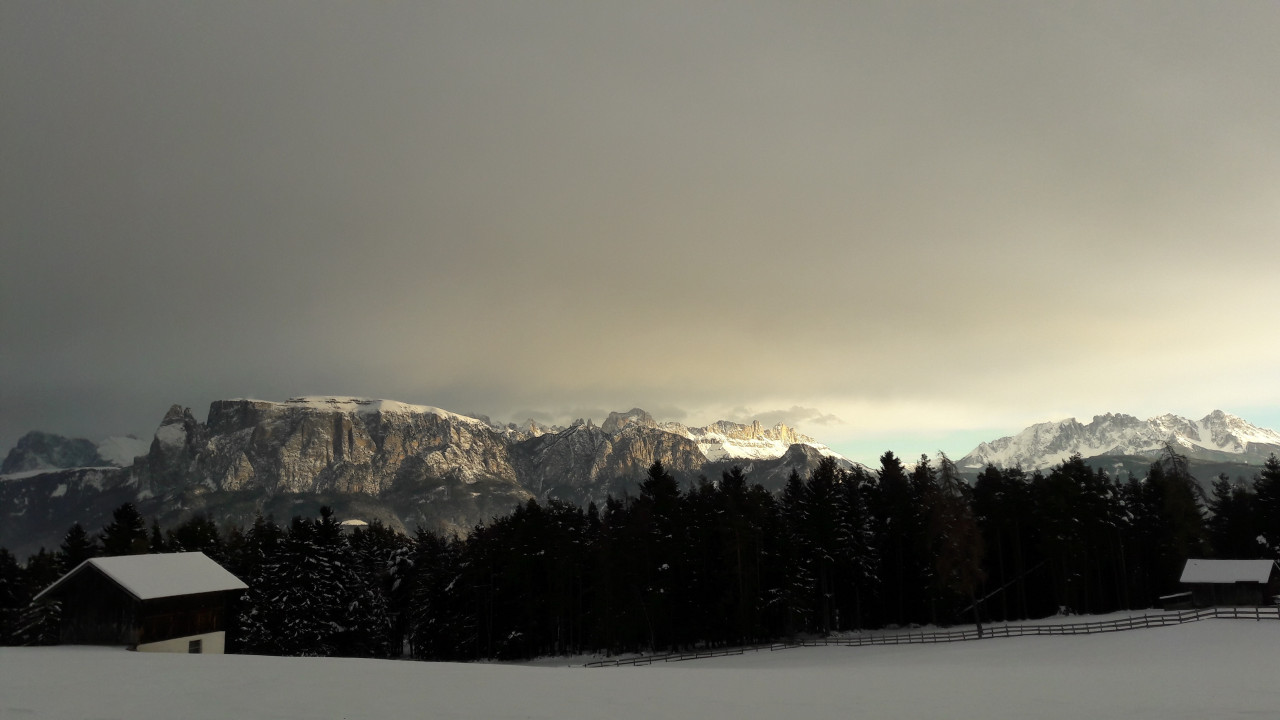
(122,450)
(723,440)
(1217,436)
(38,452)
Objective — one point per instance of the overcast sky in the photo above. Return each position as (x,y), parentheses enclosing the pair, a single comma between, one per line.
(906,226)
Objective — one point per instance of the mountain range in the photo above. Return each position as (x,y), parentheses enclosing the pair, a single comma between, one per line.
(418,466)
(406,465)
(1217,437)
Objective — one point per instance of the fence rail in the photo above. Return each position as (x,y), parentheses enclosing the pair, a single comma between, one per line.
(1133,622)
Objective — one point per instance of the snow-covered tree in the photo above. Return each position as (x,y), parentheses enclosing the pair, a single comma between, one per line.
(308,599)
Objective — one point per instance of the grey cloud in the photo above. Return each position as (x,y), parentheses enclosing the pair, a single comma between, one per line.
(797,416)
(576,208)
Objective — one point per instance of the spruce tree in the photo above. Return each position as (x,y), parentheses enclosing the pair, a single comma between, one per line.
(126,534)
(1267,487)
(820,527)
(306,598)
(77,546)
(1233,527)
(442,621)
(856,558)
(957,539)
(14,596)
(197,534)
(38,622)
(658,524)
(795,595)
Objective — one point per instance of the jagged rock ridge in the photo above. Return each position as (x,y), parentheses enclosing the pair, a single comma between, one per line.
(408,465)
(1218,436)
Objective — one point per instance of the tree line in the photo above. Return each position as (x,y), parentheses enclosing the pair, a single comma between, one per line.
(710,564)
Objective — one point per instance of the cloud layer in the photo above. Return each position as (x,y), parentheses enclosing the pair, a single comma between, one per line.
(884,218)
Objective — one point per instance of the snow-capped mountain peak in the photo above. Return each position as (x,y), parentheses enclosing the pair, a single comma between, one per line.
(1219,435)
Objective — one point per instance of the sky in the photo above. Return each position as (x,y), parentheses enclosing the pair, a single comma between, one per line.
(895,226)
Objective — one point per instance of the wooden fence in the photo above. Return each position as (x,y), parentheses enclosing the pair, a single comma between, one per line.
(1133,622)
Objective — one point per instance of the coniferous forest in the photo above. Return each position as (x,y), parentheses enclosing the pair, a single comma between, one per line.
(719,563)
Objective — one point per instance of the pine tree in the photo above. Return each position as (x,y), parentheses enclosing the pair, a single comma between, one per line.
(1002,506)
(795,595)
(156,543)
(307,599)
(1168,523)
(197,534)
(745,515)
(659,525)
(443,622)
(126,534)
(374,551)
(360,611)
(957,540)
(1078,512)
(820,527)
(1232,527)
(894,509)
(1267,487)
(260,543)
(77,546)
(14,596)
(38,622)
(856,545)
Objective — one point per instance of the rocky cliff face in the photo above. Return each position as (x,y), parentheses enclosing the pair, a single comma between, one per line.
(586,463)
(635,417)
(725,441)
(407,465)
(308,445)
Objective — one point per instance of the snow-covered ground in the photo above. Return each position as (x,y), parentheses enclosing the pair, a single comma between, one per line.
(1213,668)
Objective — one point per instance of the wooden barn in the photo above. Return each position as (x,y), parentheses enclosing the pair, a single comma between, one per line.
(177,602)
(1231,582)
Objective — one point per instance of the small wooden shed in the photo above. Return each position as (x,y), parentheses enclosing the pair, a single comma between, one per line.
(1231,582)
(176,602)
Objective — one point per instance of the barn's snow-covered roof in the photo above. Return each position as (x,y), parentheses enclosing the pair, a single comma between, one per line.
(148,577)
(1227,571)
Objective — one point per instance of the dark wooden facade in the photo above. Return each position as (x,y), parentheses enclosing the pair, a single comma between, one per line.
(97,611)
(1247,593)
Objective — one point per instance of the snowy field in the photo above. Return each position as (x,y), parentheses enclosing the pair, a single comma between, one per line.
(1213,668)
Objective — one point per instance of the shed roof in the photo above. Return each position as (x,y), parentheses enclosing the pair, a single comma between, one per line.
(1227,571)
(148,577)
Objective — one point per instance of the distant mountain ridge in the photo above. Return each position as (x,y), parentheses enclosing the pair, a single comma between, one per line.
(725,440)
(1217,437)
(407,465)
(40,451)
